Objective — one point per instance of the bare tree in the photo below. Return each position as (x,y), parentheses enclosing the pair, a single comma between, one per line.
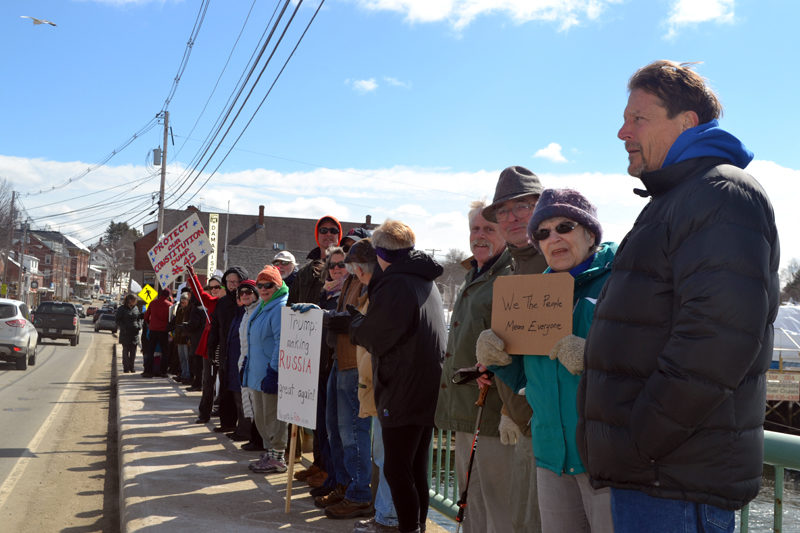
(5,214)
(117,245)
(454,255)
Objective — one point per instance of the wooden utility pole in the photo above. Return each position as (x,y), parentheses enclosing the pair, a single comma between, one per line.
(9,247)
(163,179)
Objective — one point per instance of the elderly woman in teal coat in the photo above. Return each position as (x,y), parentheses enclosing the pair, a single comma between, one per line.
(565,228)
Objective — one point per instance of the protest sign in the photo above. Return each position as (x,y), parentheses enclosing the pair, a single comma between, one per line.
(298,371)
(183,245)
(533,312)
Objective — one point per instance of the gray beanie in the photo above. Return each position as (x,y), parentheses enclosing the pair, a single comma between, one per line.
(514,182)
(566,203)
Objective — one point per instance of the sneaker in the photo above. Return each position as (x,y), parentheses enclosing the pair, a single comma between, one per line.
(372,526)
(349,509)
(261,461)
(270,466)
(333,497)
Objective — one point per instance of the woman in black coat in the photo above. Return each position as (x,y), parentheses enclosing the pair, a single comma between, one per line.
(129,322)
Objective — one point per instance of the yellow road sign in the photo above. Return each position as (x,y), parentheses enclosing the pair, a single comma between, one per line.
(148,294)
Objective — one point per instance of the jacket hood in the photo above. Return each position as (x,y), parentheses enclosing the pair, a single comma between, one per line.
(241,272)
(320,221)
(417,263)
(708,140)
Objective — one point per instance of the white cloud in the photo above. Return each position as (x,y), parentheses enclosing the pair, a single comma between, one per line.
(551,152)
(363,86)
(433,201)
(394,82)
(692,12)
(460,13)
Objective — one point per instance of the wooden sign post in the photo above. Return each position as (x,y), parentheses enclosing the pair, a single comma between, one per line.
(532,312)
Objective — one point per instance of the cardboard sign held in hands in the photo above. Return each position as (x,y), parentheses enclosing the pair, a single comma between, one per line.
(533,312)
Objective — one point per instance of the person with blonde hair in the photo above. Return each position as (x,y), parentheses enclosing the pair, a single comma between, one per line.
(406,335)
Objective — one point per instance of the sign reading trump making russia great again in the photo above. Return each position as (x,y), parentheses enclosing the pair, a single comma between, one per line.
(185,244)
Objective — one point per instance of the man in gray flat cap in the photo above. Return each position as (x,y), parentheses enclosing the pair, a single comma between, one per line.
(515,196)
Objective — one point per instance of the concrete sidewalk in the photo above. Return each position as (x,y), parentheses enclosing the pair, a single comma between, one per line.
(176,475)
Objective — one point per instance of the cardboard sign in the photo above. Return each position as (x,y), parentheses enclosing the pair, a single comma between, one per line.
(533,312)
(185,244)
(298,371)
(783,386)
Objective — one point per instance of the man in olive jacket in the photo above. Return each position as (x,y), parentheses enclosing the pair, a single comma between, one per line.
(489,487)
(672,399)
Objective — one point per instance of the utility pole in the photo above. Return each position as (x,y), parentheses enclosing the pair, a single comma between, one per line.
(21,258)
(160,231)
(10,245)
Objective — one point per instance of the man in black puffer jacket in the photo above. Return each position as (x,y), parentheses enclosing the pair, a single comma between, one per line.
(672,400)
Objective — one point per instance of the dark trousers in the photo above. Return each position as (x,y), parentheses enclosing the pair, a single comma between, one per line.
(227,403)
(197,370)
(207,398)
(322,447)
(406,469)
(159,340)
(128,356)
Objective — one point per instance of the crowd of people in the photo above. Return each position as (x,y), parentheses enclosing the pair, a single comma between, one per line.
(646,416)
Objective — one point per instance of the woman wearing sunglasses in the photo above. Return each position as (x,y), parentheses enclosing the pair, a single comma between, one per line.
(564,227)
(260,371)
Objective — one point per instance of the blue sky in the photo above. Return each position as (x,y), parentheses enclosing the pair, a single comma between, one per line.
(396,108)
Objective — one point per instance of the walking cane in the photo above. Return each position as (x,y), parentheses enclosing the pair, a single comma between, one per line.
(462,501)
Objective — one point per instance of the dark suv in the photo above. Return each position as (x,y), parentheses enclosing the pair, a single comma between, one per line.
(57,320)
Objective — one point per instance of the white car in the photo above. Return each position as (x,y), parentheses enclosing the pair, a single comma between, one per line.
(18,337)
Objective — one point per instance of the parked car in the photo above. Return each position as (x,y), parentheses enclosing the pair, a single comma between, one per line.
(57,320)
(92,309)
(81,310)
(106,321)
(105,309)
(18,336)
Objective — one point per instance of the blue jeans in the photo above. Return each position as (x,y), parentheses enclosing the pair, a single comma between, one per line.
(348,435)
(354,433)
(183,355)
(337,475)
(384,506)
(634,511)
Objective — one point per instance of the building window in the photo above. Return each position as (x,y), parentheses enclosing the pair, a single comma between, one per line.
(47,259)
(278,245)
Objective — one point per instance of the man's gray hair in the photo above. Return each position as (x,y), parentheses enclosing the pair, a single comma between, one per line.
(475,208)
(368,268)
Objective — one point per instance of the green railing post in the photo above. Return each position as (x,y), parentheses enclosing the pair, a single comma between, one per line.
(777,517)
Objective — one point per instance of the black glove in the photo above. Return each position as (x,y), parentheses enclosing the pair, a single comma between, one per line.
(355,323)
(270,382)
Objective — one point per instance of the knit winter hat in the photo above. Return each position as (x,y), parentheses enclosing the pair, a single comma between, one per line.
(566,203)
(514,182)
(270,273)
(249,283)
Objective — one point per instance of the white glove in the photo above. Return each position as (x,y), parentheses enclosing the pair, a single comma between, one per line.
(489,349)
(509,430)
(569,351)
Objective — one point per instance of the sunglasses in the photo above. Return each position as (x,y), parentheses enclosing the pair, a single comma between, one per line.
(340,264)
(267,285)
(276,263)
(212,287)
(334,231)
(561,229)
(246,291)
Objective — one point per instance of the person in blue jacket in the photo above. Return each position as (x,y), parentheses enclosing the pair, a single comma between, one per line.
(260,371)
(564,227)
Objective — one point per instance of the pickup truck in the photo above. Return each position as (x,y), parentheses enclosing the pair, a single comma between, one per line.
(57,320)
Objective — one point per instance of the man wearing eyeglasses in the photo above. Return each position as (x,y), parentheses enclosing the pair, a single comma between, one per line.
(517,191)
(285,263)
(307,288)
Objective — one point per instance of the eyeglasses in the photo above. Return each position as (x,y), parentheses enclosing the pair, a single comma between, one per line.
(340,264)
(267,285)
(561,229)
(279,262)
(520,210)
(242,292)
(334,231)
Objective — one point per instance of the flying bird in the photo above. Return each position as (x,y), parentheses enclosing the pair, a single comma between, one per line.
(37,21)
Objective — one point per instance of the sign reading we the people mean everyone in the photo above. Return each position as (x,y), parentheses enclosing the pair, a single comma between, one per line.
(183,245)
(532,312)
(298,371)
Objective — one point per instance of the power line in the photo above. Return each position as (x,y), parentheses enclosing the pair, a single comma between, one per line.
(198,23)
